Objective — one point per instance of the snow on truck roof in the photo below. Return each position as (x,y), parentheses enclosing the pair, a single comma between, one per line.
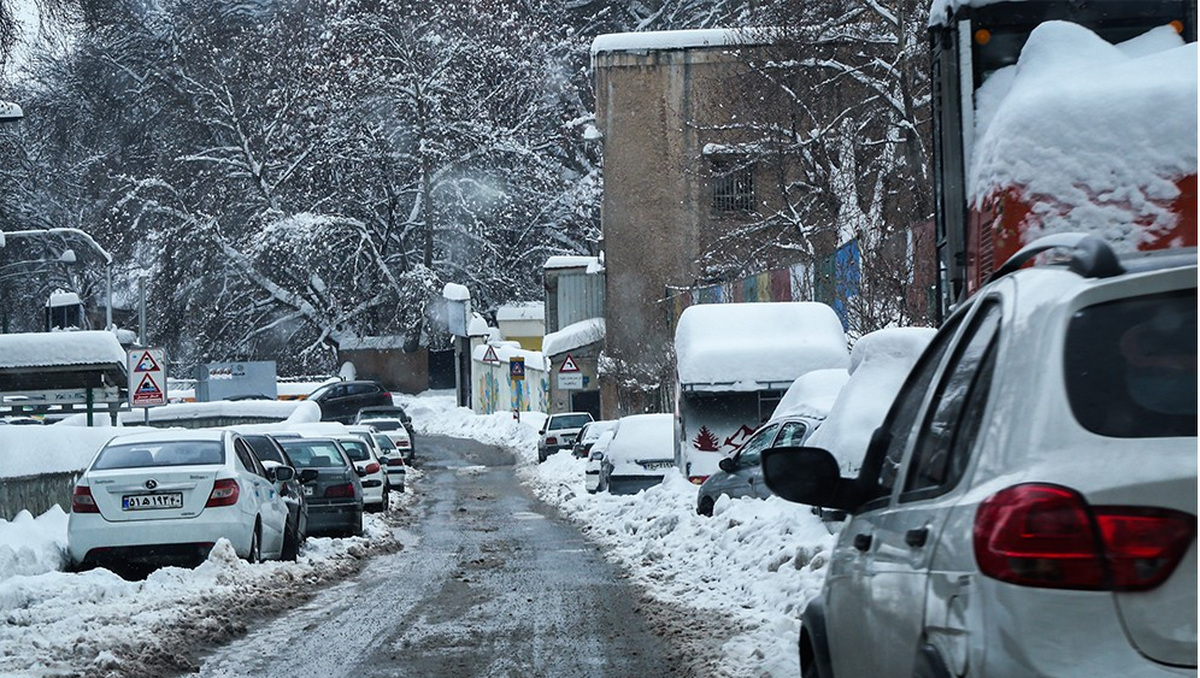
(740,346)
(1094,134)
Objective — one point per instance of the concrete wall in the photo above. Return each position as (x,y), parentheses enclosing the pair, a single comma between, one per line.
(35,494)
(494,391)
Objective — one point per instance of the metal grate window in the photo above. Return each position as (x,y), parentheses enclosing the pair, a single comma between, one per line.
(733,189)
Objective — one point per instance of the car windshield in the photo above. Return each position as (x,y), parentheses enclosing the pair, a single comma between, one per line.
(160,453)
(383,424)
(356,449)
(568,421)
(313,453)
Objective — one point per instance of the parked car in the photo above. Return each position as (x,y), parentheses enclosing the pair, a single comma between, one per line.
(389,411)
(393,462)
(640,453)
(331,486)
(740,474)
(166,497)
(588,435)
(394,429)
(342,400)
(371,475)
(559,432)
(1028,506)
(272,456)
(591,471)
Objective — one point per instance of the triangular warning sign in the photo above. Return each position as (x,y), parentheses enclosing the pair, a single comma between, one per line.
(146,364)
(490,356)
(149,388)
(568,365)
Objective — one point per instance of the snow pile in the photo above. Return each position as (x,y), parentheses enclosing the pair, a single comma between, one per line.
(435,413)
(456,292)
(813,394)
(30,546)
(879,365)
(1093,136)
(755,564)
(573,336)
(738,346)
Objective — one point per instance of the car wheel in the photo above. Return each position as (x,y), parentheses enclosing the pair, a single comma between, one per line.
(291,542)
(706,509)
(358,531)
(255,553)
(387,500)
(810,671)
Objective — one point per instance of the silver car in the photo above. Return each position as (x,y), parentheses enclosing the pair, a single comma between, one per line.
(740,473)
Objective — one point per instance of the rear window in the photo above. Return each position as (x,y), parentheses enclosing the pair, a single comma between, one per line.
(382,424)
(313,454)
(568,421)
(263,449)
(356,449)
(154,454)
(384,442)
(1131,366)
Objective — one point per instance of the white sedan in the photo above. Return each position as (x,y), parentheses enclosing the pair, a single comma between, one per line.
(167,497)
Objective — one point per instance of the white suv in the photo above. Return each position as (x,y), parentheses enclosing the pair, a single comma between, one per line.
(1028,507)
(559,432)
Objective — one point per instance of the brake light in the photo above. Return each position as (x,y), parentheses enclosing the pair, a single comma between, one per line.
(551,441)
(396,461)
(224,493)
(82,500)
(403,444)
(697,480)
(372,468)
(345,490)
(1048,536)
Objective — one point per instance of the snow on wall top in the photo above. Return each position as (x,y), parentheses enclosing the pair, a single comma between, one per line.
(61,298)
(661,40)
(1095,134)
(529,310)
(740,345)
(46,349)
(571,261)
(478,327)
(456,292)
(573,336)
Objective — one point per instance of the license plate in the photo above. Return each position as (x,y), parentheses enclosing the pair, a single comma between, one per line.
(308,490)
(139,502)
(657,465)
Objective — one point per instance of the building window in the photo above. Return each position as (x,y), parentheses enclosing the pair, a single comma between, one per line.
(733,188)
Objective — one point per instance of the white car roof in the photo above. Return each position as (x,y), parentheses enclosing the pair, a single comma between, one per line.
(167,435)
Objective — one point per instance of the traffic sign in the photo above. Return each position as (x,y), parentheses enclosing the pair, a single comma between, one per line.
(516,368)
(568,365)
(490,355)
(147,377)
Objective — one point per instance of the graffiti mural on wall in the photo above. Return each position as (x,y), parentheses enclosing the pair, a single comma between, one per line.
(489,397)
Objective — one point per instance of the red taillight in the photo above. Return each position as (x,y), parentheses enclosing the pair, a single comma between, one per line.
(82,501)
(345,490)
(395,461)
(551,441)
(403,444)
(372,468)
(1047,536)
(697,480)
(224,493)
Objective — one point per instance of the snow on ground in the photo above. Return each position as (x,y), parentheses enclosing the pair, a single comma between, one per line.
(753,566)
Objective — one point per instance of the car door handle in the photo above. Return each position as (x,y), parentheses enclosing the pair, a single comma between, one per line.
(916,537)
(862,542)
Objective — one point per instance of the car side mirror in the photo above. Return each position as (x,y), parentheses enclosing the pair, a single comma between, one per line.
(284,473)
(808,475)
(727,464)
(308,475)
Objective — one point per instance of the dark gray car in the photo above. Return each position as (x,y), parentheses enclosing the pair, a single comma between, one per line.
(341,401)
(331,485)
(269,451)
(740,474)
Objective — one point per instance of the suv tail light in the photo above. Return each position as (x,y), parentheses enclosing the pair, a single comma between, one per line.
(1048,536)
(345,490)
(224,493)
(82,500)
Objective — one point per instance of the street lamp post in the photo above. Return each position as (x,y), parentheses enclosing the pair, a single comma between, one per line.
(108,324)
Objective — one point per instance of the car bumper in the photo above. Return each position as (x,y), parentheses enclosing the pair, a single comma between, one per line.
(396,479)
(631,484)
(90,536)
(336,518)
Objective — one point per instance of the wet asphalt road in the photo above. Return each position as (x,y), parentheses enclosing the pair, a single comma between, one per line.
(490,583)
